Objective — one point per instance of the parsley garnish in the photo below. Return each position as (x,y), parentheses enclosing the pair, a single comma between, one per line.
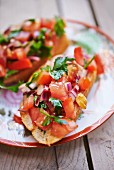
(10,72)
(38,47)
(13,88)
(60,67)
(57,104)
(59,26)
(86,64)
(3,39)
(42,105)
(55,119)
(47,121)
(14,33)
(34,77)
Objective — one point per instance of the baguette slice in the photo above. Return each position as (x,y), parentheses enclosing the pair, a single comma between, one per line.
(46,137)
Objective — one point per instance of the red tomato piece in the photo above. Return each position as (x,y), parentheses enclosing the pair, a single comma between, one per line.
(17,119)
(28,103)
(47,23)
(79,56)
(68,106)
(92,66)
(100,66)
(2,71)
(23,36)
(62,130)
(58,91)
(20,65)
(84,83)
(2,57)
(19,54)
(36,115)
(44,78)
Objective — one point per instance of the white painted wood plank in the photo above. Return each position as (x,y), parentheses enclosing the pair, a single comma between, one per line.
(78,10)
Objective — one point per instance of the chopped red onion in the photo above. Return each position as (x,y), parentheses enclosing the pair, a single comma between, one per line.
(35,58)
(68,86)
(76,88)
(23,88)
(45,95)
(73,94)
(40,89)
(31,92)
(86,56)
(33,85)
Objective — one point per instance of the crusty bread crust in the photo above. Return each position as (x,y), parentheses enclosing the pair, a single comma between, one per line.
(61,44)
(46,137)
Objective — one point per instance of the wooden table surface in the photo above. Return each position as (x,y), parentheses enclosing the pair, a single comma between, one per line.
(94,151)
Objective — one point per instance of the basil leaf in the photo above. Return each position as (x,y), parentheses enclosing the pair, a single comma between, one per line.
(3,39)
(42,105)
(59,27)
(13,88)
(47,121)
(10,72)
(14,33)
(86,64)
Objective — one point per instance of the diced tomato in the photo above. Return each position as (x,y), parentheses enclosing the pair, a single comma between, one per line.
(36,115)
(21,64)
(2,57)
(17,119)
(2,71)
(62,130)
(49,43)
(92,66)
(31,26)
(28,103)
(68,106)
(58,91)
(100,66)
(47,23)
(23,36)
(44,78)
(79,56)
(19,54)
(84,83)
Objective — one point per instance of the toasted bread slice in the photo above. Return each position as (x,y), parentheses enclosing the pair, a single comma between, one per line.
(45,137)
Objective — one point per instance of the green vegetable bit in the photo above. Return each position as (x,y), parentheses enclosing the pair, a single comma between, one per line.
(42,105)
(10,72)
(13,88)
(86,64)
(3,40)
(59,27)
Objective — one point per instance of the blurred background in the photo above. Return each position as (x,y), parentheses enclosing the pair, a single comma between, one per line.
(94,12)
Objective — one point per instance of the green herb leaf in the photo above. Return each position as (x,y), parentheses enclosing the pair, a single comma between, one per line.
(13,88)
(42,105)
(34,77)
(47,68)
(46,122)
(86,64)
(60,121)
(60,67)
(31,20)
(56,102)
(3,39)
(59,26)
(14,33)
(10,72)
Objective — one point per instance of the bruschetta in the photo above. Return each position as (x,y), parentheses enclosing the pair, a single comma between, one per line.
(25,47)
(55,95)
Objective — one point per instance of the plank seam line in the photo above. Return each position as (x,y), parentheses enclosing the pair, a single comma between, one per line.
(56,157)
(88,153)
(93,12)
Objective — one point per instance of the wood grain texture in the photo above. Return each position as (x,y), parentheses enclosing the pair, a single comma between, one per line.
(77,9)
(13,158)
(72,156)
(104,11)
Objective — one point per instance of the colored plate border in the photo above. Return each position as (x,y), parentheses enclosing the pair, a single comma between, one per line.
(84,131)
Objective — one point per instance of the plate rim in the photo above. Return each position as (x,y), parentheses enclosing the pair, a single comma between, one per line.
(84,131)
